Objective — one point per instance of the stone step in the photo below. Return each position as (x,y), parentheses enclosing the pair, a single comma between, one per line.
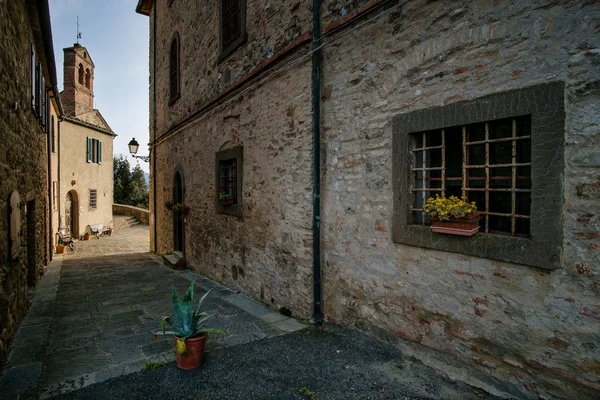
(173,261)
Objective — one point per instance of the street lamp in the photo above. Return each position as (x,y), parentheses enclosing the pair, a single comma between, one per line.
(133,148)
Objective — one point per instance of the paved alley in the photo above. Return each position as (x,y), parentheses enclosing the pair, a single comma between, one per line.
(94,312)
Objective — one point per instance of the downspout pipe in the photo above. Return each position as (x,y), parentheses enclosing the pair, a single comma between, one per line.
(316,71)
(153,157)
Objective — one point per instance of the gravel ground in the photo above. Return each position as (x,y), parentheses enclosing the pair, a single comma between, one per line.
(316,363)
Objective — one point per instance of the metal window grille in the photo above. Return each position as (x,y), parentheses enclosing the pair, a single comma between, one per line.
(228,179)
(174,68)
(93,198)
(489,163)
(232,21)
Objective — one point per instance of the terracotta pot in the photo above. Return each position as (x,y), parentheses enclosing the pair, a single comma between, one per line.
(465,226)
(195,353)
(86,237)
(60,249)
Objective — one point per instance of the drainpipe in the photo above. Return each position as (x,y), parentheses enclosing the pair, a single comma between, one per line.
(153,157)
(49,153)
(317,312)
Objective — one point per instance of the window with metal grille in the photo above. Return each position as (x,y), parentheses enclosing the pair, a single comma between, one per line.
(229,169)
(228,181)
(505,152)
(488,162)
(93,198)
(174,69)
(233,25)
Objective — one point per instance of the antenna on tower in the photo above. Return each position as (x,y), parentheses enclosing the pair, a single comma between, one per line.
(78,33)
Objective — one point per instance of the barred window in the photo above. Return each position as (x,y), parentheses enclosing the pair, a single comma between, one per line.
(174,69)
(233,25)
(505,152)
(488,162)
(229,170)
(93,198)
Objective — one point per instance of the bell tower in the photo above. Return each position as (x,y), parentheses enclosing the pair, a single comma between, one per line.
(78,80)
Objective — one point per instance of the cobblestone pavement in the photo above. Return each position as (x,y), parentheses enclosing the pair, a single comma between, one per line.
(95,309)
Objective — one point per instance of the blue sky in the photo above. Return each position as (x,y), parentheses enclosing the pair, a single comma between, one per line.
(117,40)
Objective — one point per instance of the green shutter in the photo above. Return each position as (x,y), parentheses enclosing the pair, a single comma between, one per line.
(99,151)
(89,149)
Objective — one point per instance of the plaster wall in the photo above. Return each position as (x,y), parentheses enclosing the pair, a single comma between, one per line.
(75,168)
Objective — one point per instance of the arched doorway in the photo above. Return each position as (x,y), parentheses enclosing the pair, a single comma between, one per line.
(72,213)
(178,229)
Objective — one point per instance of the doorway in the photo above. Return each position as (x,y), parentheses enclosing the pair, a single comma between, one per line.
(72,213)
(178,229)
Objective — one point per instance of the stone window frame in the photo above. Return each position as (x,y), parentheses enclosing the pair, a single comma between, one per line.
(545,104)
(174,68)
(226,50)
(236,153)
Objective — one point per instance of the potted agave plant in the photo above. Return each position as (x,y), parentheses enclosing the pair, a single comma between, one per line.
(188,328)
(452,215)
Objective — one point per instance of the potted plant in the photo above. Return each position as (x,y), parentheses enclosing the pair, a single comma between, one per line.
(177,207)
(86,236)
(452,215)
(226,198)
(188,328)
(60,247)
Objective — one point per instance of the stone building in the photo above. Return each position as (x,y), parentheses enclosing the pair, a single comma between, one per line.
(28,118)
(86,149)
(495,100)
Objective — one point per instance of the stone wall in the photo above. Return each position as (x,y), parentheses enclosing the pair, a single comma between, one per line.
(23,167)
(505,327)
(140,214)
(511,329)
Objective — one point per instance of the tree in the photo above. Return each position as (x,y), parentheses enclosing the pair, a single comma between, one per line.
(130,187)
(139,188)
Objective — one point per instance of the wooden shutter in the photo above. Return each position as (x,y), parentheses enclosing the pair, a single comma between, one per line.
(89,149)
(99,151)
(33,76)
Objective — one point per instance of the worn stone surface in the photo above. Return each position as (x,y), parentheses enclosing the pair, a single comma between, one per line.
(505,327)
(94,312)
(23,165)
(509,328)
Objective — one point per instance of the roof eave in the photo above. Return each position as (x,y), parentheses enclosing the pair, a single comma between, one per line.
(144,7)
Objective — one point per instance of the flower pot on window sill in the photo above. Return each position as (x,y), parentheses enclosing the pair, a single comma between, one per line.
(227,202)
(464,226)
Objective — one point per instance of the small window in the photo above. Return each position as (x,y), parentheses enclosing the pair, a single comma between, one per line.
(93,198)
(94,151)
(487,162)
(87,78)
(174,69)
(229,169)
(81,73)
(233,25)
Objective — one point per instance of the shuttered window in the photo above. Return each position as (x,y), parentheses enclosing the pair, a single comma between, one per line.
(94,150)
(174,69)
